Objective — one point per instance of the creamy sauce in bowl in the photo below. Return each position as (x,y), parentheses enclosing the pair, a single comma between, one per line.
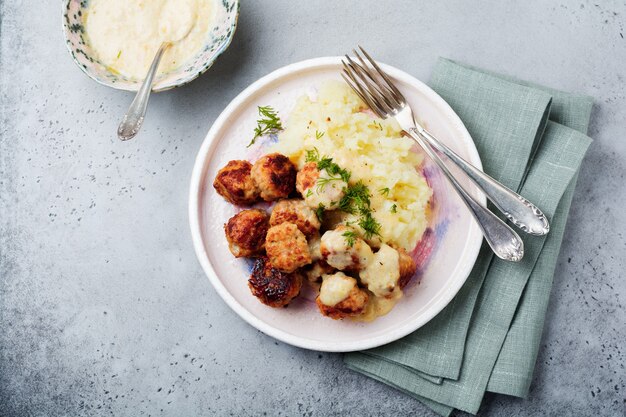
(125,34)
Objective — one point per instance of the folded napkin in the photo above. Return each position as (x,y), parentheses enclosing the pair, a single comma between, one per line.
(532,139)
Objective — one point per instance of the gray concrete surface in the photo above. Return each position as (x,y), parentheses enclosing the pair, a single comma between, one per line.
(104,309)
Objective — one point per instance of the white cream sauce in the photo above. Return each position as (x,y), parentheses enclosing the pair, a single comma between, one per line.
(379,306)
(126,34)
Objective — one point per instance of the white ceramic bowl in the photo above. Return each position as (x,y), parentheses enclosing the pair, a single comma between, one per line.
(219,37)
(445,254)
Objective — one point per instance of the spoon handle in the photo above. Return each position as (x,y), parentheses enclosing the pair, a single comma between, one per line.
(134,116)
(503,240)
(521,212)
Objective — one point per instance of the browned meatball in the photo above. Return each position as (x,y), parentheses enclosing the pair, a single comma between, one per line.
(275,176)
(307,177)
(246,231)
(286,247)
(271,286)
(234,183)
(407,267)
(341,297)
(298,213)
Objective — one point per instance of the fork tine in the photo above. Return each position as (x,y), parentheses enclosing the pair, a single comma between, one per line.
(356,89)
(383,88)
(362,92)
(371,87)
(397,92)
(360,72)
(373,101)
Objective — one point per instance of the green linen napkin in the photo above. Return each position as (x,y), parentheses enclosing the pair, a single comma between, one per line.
(488,337)
(507,122)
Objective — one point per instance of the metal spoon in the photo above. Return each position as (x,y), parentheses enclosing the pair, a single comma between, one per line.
(137,111)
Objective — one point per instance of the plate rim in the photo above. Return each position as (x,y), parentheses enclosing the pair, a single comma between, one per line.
(200,166)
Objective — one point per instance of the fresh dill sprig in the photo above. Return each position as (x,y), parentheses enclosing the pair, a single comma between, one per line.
(326,163)
(309,193)
(319,212)
(394,209)
(323,182)
(333,169)
(370,226)
(357,199)
(312,155)
(350,237)
(268,123)
(318,135)
(384,191)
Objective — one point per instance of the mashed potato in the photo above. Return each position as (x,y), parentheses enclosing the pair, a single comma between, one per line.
(371,149)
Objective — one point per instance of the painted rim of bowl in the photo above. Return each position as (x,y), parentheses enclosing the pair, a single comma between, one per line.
(471,248)
(184,81)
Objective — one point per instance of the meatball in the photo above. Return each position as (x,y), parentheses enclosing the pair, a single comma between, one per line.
(307,177)
(407,267)
(382,275)
(271,286)
(298,213)
(341,249)
(275,176)
(341,297)
(234,183)
(286,247)
(318,188)
(246,231)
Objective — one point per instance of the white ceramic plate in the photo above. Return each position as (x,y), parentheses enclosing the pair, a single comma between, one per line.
(445,255)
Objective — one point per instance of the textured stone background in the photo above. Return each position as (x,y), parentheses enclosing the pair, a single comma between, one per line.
(103,306)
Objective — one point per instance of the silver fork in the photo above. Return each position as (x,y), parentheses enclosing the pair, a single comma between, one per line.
(377,90)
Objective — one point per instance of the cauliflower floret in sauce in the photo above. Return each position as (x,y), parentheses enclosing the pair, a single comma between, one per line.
(341,249)
(274,175)
(341,297)
(319,188)
(296,212)
(286,247)
(382,275)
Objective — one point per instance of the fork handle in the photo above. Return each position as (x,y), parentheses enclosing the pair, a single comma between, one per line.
(521,212)
(503,240)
